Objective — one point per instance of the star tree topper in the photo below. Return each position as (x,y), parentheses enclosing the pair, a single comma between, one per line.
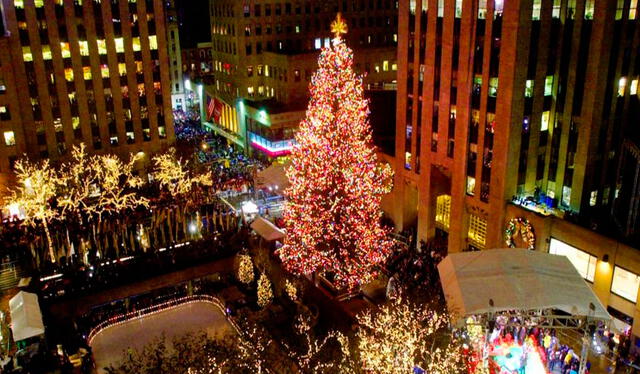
(339,27)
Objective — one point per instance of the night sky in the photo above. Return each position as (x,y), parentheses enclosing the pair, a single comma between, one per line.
(194,22)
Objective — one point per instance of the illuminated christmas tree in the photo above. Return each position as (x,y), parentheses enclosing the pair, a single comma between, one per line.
(333,211)
(265,293)
(245,269)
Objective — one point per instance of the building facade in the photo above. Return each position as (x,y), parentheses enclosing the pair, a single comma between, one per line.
(178,98)
(77,71)
(265,50)
(517,126)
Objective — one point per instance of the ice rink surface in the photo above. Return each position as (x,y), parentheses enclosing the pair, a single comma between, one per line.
(108,345)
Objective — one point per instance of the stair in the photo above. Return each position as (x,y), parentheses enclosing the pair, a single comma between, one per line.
(10,274)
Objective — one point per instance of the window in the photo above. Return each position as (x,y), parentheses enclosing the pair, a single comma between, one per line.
(528,88)
(385,65)
(584,263)
(633,8)
(119,45)
(625,284)
(477,230)
(26,54)
(249,71)
(443,210)
(471,185)
(493,87)
(593,198)
(153,42)
(318,43)
(548,85)
(9,138)
(633,89)
(544,121)
(535,15)
(4,113)
(622,85)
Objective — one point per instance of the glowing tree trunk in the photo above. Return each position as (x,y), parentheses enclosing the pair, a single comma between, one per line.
(332,215)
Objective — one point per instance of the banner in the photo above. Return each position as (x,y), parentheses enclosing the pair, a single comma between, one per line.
(214,110)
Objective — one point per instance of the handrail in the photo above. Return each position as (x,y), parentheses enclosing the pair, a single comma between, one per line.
(145,312)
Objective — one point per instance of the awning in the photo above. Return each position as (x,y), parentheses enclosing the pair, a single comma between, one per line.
(273,176)
(515,279)
(26,318)
(266,229)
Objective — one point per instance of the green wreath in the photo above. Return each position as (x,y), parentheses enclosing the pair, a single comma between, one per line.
(526,232)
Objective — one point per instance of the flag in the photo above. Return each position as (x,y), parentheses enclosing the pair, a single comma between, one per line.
(214,110)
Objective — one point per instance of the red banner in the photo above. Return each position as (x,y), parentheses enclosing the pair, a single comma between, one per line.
(214,110)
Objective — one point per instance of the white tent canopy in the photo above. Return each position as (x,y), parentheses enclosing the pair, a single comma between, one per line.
(266,229)
(515,279)
(26,318)
(273,176)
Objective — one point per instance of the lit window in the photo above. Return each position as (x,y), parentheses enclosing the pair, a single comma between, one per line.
(75,122)
(440,8)
(153,42)
(377,68)
(261,90)
(633,89)
(458,9)
(588,9)
(18,3)
(394,66)
(122,68)
(566,195)
(548,85)
(135,41)
(407,160)
(297,29)
(38,3)
(68,74)
(536,10)
(84,48)
(471,185)
(119,45)
(250,90)
(46,52)
(162,132)
(528,88)
(327,42)
(104,71)
(544,121)
(9,138)
(493,87)
(443,210)
(64,48)
(385,65)
(477,230)
(625,284)
(26,54)
(86,72)
(482,9)
(593,198)
(556,9)
(633,9)
(318,43)
(582,261)
(395,38)
(102,46)
(622,85)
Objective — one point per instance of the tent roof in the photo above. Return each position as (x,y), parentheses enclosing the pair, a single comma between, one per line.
(26,318)
(274,175)
(266,229)
(515,279)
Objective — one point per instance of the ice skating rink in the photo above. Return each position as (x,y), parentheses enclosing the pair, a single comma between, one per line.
(108,345)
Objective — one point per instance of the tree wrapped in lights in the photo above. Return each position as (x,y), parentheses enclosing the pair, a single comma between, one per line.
(245,269)
(333,211)
(37,187)
(401,336)
(265,293)
(173,175)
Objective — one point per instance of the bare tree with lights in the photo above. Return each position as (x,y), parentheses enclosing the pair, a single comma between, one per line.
(333,213)
(401,336)
(36,189)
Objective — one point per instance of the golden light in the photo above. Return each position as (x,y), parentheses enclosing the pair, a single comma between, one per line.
(339,26)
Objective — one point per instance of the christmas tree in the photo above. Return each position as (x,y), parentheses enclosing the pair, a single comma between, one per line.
(265,293)
(332,215)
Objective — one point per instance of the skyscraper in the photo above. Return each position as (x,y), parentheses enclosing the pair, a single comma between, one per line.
(84,71)
(265,52)
(505,104)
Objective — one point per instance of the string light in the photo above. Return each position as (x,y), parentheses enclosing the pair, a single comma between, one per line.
(265,293)
(332,215)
